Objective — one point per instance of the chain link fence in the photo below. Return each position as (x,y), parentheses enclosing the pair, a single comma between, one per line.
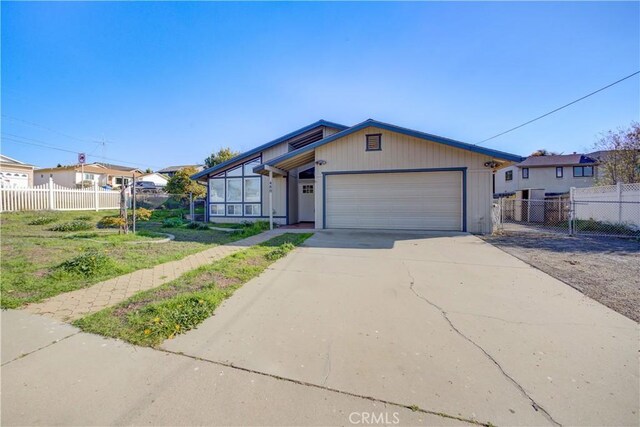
(568,215)
(186,205)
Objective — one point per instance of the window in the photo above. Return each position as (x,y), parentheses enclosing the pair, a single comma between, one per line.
(374,142)
(248,167)
(525,173)
(508,175)
(216,210)
(234,190)
(252,210)
(252,189)
(307,189)
(559,172)
(234,210)
(216,190)
(235,172)
(582,171)
(88,176)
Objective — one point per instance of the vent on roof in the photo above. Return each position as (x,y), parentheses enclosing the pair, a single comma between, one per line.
(306,139)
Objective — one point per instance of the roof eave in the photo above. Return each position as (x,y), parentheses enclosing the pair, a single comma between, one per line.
(206,172)
(417,134)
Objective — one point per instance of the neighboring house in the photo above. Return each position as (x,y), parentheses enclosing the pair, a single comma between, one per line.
(75,176)
(171,170)
(546,176)
(158,179)
(14,173)
(372,175)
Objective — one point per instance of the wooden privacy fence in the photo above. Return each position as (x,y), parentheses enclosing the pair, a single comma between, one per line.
(53,197)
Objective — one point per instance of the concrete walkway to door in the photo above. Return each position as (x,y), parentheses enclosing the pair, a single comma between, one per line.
(445,322)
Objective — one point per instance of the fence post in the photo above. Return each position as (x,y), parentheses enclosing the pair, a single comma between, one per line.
(619,194)
(95,195)
(192,211)
(572,212)
(51,198)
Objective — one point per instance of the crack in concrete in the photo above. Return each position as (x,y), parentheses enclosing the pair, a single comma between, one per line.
(413,408)
(23,355)
(327,365)
(534,404)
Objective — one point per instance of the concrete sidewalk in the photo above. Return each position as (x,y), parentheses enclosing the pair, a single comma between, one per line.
(73,305)
(72,378)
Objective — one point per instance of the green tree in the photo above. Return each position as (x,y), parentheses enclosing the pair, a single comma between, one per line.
(182,184)
(620,157)
(148,170)
(221,156)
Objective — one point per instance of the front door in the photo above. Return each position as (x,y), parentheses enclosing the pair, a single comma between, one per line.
(306,202)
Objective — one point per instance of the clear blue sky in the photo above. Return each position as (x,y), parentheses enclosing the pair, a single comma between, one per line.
(167,83)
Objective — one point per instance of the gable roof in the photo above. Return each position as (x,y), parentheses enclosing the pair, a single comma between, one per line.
(555,160)
(117,167)
(393,128)
(178,168)
(268,145)
(7,159)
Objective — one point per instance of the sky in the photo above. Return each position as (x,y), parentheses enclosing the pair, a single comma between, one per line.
(169,83)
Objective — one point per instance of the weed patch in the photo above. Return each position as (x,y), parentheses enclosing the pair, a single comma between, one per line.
(172,222)
(42,220)
(91,263)
(72,226)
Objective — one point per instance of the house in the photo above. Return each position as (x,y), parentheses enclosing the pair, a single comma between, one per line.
(171,170)
(75,176)
(14,173)
(543,176)
(372,175)
(158,179)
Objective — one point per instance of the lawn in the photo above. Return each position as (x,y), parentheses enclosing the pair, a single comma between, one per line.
(150,317)
(38,263)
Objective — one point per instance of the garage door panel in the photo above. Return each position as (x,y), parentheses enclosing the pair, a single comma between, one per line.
(412,200)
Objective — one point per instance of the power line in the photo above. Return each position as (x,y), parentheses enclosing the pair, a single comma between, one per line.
(37,143)
(41,126)
(560,108)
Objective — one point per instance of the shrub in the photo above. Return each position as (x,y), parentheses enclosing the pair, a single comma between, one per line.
(197,226)
(172,223)
(111,222)
(72,226)
(280,251)
(42,220)
(83,218)
(142,214)
(90,263)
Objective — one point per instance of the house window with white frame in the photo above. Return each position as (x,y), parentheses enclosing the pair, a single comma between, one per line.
(525,173)
(559,172)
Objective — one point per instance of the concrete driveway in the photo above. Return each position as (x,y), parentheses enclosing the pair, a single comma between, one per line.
(447,323)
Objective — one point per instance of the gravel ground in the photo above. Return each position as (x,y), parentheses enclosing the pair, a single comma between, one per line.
(605,269)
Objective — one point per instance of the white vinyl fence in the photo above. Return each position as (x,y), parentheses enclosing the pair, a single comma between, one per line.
(613,204)
(56,198)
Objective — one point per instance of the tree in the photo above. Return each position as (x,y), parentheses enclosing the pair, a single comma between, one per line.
(148,170)
(543,152)
(182,184)
(620,161)
(221,156)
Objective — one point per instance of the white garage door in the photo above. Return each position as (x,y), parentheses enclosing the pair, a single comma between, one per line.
(408,200)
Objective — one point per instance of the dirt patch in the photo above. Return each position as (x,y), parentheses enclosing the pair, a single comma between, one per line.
(605,269)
